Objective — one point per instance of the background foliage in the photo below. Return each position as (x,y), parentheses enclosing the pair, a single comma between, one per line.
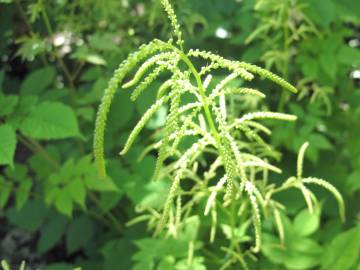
(56,59)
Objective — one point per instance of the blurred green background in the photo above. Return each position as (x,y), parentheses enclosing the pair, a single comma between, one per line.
(56,59)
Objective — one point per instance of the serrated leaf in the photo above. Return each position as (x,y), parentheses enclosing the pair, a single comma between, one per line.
(309,67)
(31,46)
(322,11)
(64,203)
(7,145)
(51,233)
(80,232)
(167,263)
(196,264)
(23,107)
(343,251)
(348,55)
(320,141)
(328,63)
(77,191)
(38,81)
(51,120)
(108,200)
(111,251)
(7,104)
(30,217)
(22,193)
(105,184)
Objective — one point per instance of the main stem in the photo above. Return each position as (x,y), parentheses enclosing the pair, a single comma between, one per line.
(202,94)
(214,132)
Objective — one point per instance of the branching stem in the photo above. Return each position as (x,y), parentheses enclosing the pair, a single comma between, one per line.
(199,83)
(214,131)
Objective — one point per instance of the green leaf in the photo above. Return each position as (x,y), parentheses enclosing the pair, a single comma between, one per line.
(158,120)
(77,191)
(353,183)
(155,194)
(306,223)
(5,191)
(309,67)
(31,46)
(108,200)
(343,251)
(348,56)
(38,81)
(144,265)
(17,173)
(97,184)
(328,64)
(196,264)
(87,113)
(319,141)
(167,263)
(298,253)
(297,261)
(64,203)
(103,42)
(322,11)
(51,120)
(83,54)
(91,74)
(22,192)
(7,145)
(51,233)
(147,98)
(30,217)
(36,162)
(111,252)
(80,232)
(122,105)
(95,93)
(95,59)
(7,104)
(59,266)
(22,109)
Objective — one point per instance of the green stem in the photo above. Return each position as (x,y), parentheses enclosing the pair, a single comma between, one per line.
(56,54)
(30,29)
(202,94)
(214,131)
(110,215)
(36,147)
